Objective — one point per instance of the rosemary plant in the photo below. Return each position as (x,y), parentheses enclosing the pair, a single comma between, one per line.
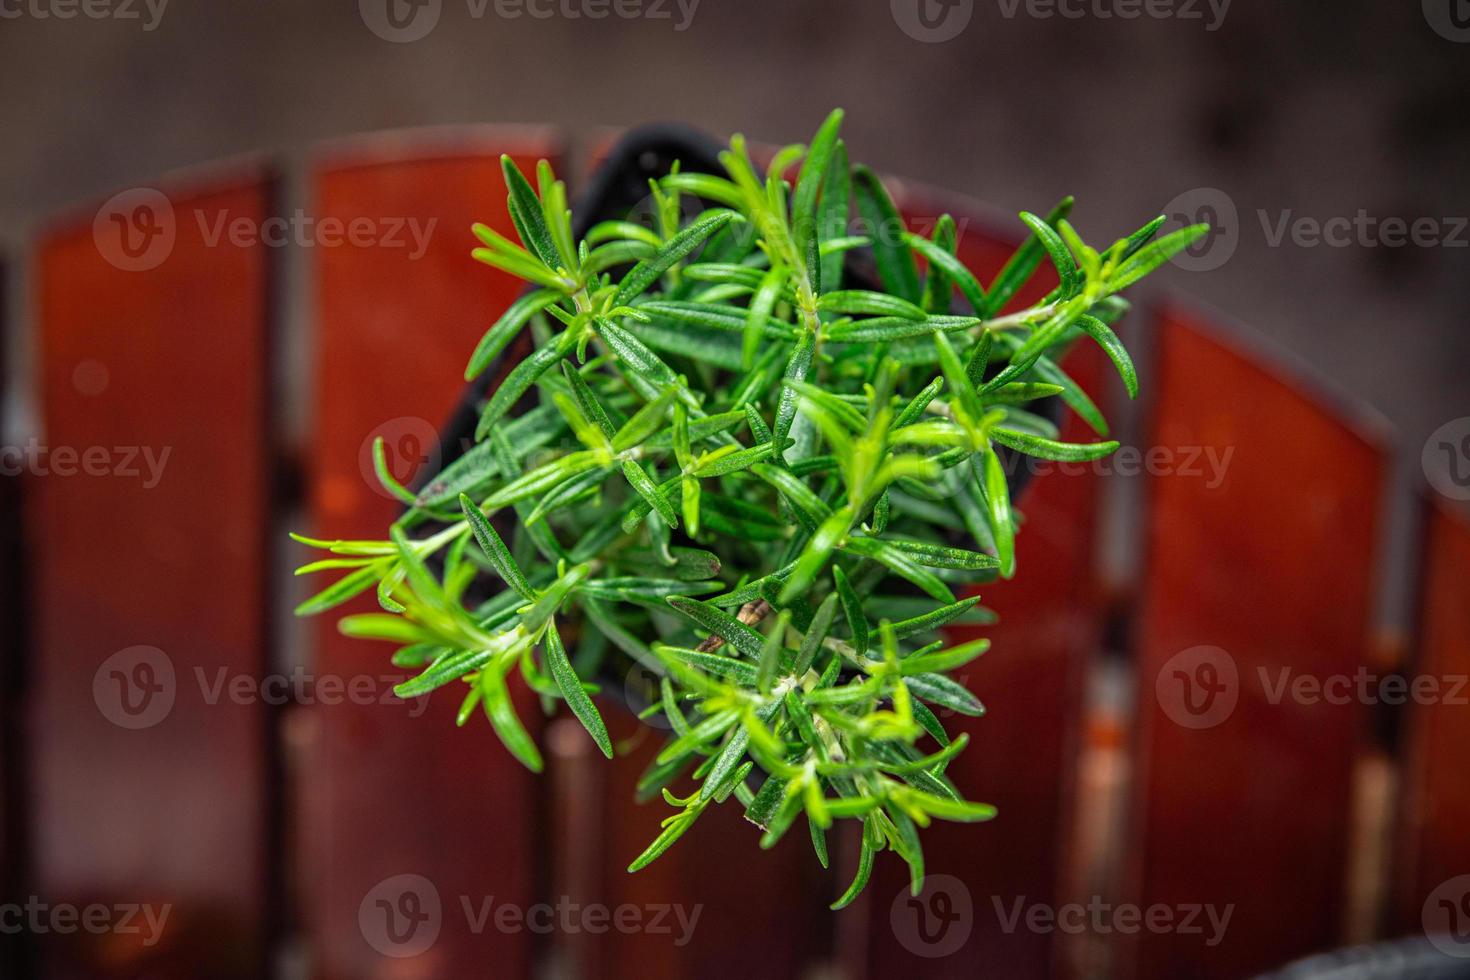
(751,477)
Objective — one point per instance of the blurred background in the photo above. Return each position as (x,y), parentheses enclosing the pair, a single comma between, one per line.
(1310,361)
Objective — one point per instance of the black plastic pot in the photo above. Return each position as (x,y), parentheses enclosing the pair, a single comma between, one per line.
(1405,959)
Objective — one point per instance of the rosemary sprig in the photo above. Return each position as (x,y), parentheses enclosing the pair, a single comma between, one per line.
(760,481)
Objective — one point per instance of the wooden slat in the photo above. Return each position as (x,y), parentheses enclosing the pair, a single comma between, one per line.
(1022,751)
(1434,846)
(706,897)
(387,794)
(717,874)
(162,569)
(13,843)
(1248,805)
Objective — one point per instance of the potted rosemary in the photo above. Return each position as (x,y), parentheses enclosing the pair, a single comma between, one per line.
(728,458)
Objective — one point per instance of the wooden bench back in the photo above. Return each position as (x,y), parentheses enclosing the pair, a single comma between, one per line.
(334,821)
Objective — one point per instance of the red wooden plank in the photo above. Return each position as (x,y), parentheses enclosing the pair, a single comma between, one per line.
(1023,750)
(389,793)
(780,895)
(147,517)
(1434,859)
(699,904)
(1243,800)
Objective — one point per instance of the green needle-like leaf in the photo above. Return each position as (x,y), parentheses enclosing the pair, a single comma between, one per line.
(526,213)
(852,608)
(714,620)
(495,549)
(883,224)
(647,272)
(571,688)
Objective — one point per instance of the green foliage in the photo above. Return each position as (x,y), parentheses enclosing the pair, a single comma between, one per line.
(760,482)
